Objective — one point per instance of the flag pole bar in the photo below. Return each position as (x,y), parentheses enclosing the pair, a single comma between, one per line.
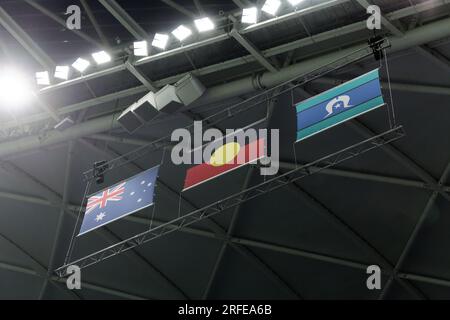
(242,106)
(265,187)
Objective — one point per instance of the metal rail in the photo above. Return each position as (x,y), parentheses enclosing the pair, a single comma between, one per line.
(238,198)
(257,100)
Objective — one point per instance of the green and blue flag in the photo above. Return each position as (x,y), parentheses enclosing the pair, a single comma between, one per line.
(340,104)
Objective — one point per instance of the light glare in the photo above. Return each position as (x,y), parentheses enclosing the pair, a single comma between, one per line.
(140,48)
(101,57)
(204,24)
(42,78)
(80,64)
(271,6)
(182,32)
(160,40)
(62,72)
(14,88)
(250,15)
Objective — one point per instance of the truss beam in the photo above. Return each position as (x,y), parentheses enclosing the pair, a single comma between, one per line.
(234,200)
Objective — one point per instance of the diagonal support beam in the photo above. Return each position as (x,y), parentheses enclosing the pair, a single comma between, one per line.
(253,50)
(125,19)
(94,22)
(61,218)
(217,229)
(140,76)
(400,157)
(110,237)
(39,268)
(61,22)
(223,248)
(238,240)
(25,40)
(179,8)
(384,21)
(434,56)
(412,238)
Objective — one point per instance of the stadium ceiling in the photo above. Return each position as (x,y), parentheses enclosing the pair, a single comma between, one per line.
(389,207)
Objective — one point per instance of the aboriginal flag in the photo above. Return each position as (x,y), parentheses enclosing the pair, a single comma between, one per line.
(226,156)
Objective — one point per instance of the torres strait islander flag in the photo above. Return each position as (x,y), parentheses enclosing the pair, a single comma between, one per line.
(226,157)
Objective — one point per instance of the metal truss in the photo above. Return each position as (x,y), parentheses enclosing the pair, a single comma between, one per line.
(238,198)
(255,101)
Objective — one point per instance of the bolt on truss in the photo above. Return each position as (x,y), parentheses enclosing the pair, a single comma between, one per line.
(210,210)
(255,101)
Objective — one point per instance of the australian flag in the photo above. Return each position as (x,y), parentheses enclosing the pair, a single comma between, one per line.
(120,200)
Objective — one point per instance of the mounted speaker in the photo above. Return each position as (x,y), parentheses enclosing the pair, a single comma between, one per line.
(145,107)
(188,89)
(167,100)
(185,91)
(129,120)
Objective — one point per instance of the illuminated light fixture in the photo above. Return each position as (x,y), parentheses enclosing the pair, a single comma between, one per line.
(80,64)
(160,40)
(42,78)
(181,32)
(295,2)
(101,57)
(271,6)
(250,15)
(140,48)
(14,88)
(62,72)
(204,24)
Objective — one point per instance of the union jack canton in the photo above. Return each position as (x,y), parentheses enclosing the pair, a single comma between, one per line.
(120,200)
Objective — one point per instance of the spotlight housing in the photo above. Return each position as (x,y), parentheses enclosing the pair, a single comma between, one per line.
(204,24)
(182,32)
(250,15)
(140,48)
(160,41)
(101,57)
(42,78)
(271,6)
(80,64)
(62,72)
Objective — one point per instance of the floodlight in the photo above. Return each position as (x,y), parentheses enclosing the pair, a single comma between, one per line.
(42,78)
(160,40)
(182,32)
(14,88)
(80,64)
(250,15)
(271,6)
(204,24)
(101,57)
(62,72)
(295,2)
(140,48)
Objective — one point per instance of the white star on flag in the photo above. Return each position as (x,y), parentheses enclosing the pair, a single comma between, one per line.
(100,216)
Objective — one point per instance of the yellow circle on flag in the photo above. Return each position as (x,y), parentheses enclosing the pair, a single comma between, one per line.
(225,154)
